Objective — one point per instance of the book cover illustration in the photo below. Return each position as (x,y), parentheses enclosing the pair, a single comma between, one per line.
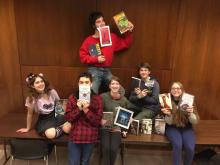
(149,84)
(134,127)
(146,126)
(123,117)
(84,92)
(165,100)
(159,126)
(137,82)
(105,37)
(94,49)
(186,101)
(108,116)
(60,106)
(122,22)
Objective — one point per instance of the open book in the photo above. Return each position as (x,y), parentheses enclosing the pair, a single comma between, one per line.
(121,22)
(60,106)
(165,100)
(186,101)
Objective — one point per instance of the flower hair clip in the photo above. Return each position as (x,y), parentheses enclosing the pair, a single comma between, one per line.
(41,74)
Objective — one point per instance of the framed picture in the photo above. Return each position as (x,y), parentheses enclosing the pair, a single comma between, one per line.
(105,37)
(123,117)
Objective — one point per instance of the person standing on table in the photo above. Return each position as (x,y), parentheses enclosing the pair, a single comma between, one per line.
(85,116)
(100,65)
(42,100)
(111,135)
(179,128)
(145,96)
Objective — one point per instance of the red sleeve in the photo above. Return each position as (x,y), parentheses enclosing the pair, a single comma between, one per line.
(84,55)
(72,111)
(122,42)
(94,115)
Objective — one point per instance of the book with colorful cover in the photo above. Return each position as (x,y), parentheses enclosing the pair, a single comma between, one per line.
(84,92)
(165,100)
(105,36)
(186,101)
(60,106)
(108,116)
(94,49)
(122,22)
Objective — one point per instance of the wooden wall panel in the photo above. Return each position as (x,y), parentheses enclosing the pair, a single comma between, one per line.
(51,32)
(11,98)
(197,54)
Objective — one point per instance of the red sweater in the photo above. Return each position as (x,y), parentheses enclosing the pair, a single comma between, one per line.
(85,127)
(108,51)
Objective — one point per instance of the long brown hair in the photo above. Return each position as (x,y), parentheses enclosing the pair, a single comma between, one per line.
(33,94)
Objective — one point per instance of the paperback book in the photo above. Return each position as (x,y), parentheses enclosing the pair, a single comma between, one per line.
(137,82)
(122,22)
(108,116)
(146,126)
(186,101)
(159,126)
(165,100)
(94,49)
(104,36)
(60,106)
(84,92)
(134,127)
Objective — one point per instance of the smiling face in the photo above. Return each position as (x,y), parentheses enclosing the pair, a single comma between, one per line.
(176,90)
(39,85)
(99,22)
(144,73)
(114,86)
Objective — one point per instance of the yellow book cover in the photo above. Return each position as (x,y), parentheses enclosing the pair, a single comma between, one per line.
(121,22)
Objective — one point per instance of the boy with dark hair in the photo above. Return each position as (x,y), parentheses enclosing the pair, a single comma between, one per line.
(85,118)
(99,65)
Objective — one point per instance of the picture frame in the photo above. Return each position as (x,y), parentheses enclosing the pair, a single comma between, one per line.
(122,118)
(105,37)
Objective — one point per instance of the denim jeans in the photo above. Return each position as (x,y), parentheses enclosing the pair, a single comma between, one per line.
(99,76)
(79,154)
(181,138)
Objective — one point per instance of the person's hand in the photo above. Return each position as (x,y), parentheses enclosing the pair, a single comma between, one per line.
(101,59)
(103,122)
(130,26)
(22,130)
(85,106)
(166,111)
(79,104)
(189,109)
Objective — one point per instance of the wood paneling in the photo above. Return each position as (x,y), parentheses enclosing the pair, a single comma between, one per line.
(197,54)
(50,32)
(11,98)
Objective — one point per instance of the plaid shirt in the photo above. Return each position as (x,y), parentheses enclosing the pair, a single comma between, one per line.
(85,127)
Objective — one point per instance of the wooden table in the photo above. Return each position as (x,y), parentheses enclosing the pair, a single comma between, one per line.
(207,133)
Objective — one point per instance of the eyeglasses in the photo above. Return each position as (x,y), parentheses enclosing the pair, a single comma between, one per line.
(175,88)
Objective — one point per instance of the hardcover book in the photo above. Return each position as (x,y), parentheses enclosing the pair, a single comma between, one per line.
(159,126)
(60,106)
(186,101)
(104,36)
(94,49)
(165,100)
(137,82)
(122,22)
(123,117)
(146,126)
(108,116)
(84,92)
(134,127)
